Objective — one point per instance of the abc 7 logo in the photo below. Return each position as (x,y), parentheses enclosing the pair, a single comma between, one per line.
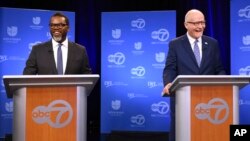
(138,71)
(161,35)
(118,58)
(138,119)
(58,114)
(161,107)
(139,23)
(215,111)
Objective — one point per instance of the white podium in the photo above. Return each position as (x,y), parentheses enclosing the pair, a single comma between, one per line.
(206,105)
(49,107)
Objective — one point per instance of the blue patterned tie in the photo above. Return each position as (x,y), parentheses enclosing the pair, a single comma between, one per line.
(59,60)
(197,52)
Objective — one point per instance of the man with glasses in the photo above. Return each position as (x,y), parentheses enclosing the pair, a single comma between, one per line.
(190,54)
(58,55)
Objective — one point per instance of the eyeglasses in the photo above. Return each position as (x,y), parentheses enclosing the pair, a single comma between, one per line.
(197,23)
(60,25)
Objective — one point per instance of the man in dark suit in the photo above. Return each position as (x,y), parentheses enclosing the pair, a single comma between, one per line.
(46,58)
(184,59)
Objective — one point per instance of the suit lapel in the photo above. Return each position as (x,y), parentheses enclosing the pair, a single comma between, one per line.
(188,48)
(70,50)
(204,47)
(51,60)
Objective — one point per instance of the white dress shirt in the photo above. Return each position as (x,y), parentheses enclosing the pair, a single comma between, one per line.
(64,48)
(192,41)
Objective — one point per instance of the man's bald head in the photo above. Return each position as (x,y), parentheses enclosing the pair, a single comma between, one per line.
(192,13)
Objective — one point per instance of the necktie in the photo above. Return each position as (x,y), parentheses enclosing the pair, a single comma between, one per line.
(59,60)
(197,52)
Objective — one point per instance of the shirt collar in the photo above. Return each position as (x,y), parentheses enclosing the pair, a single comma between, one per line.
(191,39)
(64,43)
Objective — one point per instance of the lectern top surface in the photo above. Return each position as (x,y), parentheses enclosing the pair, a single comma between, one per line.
(14,82)
(185,80)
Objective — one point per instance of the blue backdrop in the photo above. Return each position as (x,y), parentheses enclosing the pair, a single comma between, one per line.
(20,30)
(133,53)
(240,50)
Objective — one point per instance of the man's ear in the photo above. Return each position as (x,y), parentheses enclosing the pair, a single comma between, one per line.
(185,24)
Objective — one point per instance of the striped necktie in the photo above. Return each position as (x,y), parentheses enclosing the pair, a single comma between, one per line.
(197,52)
(59,60)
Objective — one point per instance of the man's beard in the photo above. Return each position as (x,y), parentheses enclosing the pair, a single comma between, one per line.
(57,39)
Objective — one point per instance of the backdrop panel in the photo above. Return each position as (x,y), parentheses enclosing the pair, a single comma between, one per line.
(133,53)
(240,50)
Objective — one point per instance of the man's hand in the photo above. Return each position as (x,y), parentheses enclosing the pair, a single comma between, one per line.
(166,89)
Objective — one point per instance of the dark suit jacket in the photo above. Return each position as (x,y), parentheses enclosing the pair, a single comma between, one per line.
(181,59)
(41,60)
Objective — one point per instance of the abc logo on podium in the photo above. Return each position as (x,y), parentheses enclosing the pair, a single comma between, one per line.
(57,114)
(203,111)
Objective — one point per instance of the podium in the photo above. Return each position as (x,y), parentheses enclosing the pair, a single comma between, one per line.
(49,107)
(206,105)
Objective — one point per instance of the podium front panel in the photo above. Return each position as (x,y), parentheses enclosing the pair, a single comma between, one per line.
(50,113)
(205,112)
(49,107)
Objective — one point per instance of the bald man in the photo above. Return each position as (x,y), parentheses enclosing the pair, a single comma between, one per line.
(190,54)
